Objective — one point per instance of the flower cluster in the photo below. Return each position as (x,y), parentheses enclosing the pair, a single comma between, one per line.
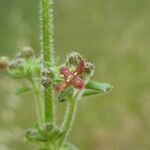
(24,65)
(18,61)
(74,78)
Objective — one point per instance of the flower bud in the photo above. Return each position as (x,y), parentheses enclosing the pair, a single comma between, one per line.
(16,64)
(74,58)
(26,52)
(49,127)
(29,132)
(48,72)
(32,135)
(81,67)
(4,62)
(89,67)
(46,82)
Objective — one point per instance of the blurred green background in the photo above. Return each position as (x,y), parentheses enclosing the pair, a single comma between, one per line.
(115,35)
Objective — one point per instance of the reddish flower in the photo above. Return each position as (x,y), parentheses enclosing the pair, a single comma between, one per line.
(72,78)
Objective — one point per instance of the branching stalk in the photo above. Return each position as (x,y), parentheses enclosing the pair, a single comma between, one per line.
(63,79)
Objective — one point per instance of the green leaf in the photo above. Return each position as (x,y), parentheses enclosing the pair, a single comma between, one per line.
(93,88)
(68,146)
(89,92)
(16,74)
(61,134)
(22,90)
(30,67)
(63,96)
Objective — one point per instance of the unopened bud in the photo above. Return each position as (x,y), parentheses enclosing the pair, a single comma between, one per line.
(89,67)
(49,127)
(16,64)
(4,62)
(26,52)
(46,82)
(48,72)
(29,131)
(31,135)
(74,58)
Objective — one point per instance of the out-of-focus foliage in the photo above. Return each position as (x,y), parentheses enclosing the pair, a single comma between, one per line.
(115,35)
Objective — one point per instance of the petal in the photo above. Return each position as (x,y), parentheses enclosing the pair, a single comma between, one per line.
(78,83)
(60,87)
(81,67)
(65,72)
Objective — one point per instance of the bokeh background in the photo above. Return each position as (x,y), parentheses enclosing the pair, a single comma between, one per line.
(115,35)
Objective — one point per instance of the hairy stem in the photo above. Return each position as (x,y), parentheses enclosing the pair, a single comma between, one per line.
(39,105)
(48,107)
(70,114)
(68,121)
(46,19)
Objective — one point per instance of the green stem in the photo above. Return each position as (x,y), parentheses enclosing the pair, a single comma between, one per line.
(39,105)
(46,18)
(70,114)
(68,121)
(48,105)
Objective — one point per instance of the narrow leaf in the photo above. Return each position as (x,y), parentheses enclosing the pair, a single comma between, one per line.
(93,88)
(16,74)
(22,90)
(64,95)
(68,146)
(89,92)
(61,134)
